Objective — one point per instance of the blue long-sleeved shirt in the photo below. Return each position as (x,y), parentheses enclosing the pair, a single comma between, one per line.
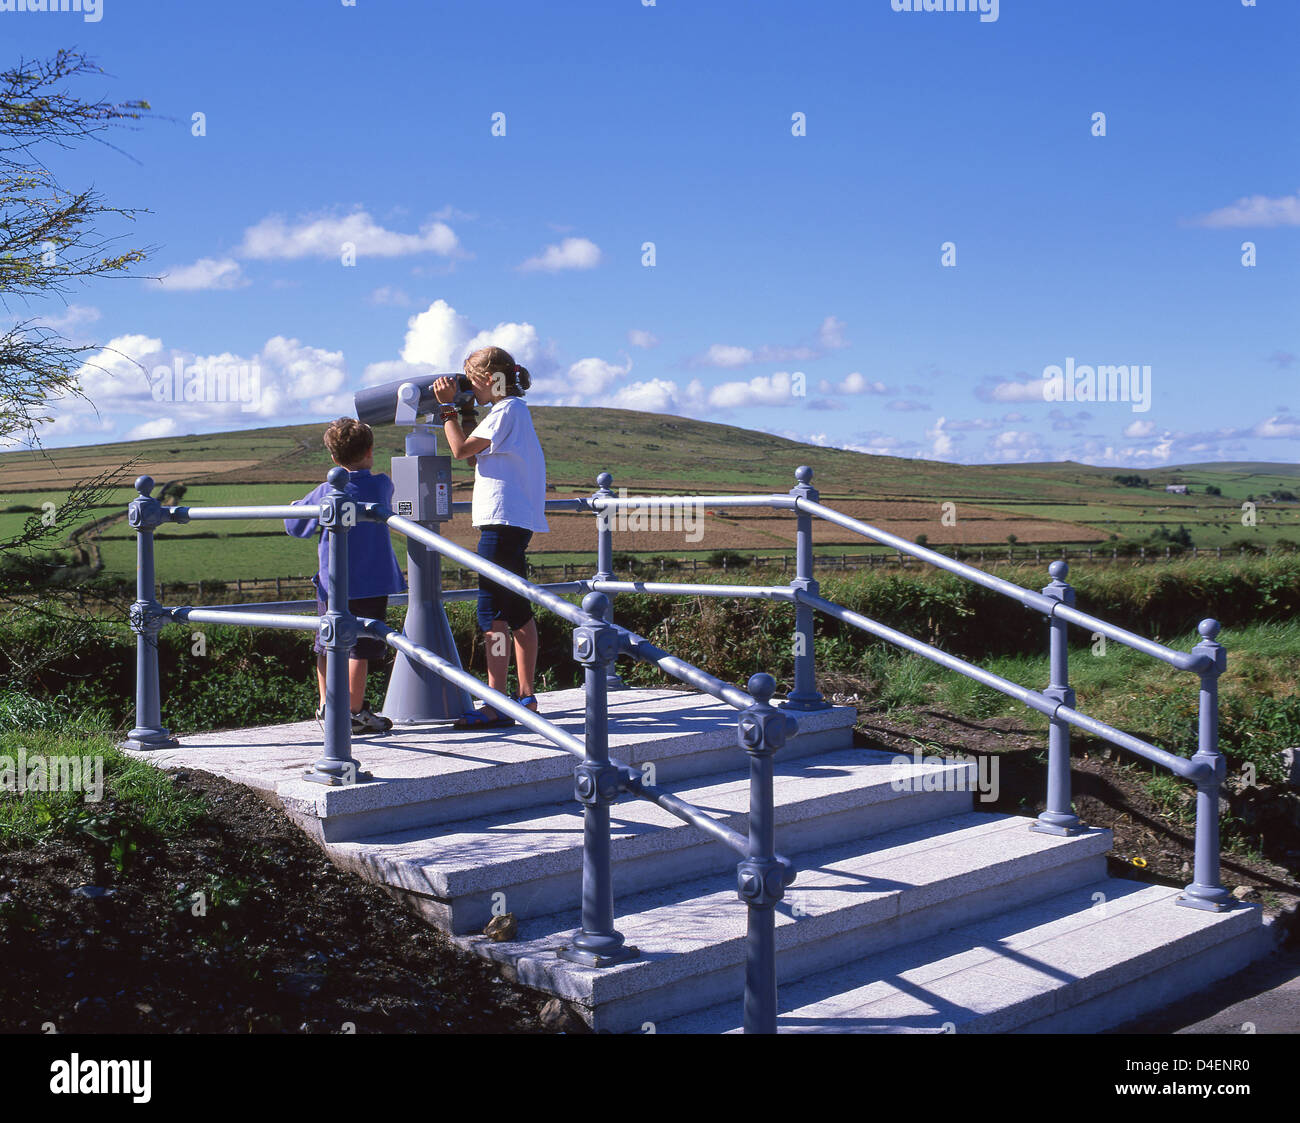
(372,566)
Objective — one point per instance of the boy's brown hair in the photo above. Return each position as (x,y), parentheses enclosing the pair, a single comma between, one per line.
(349,440)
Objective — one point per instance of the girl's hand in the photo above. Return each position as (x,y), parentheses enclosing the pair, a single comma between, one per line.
(444,390)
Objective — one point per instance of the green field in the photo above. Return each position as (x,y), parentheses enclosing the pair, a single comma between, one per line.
(649,454)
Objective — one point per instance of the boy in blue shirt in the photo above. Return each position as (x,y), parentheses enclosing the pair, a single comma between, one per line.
(373,572)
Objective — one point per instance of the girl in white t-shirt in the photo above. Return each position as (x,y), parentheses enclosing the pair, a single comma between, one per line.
(509,505)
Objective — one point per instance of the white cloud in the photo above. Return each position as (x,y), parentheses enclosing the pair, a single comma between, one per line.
(1276,427)
(304,372)
(572,253)
(323,236)
(206,274)
(762,390)
(437,337)
(1016,390)
(586,382)
(159,427)
(521,340)
(831,334)
(1017,444)
(1255,210)
(941,443)
(1140,429)
(852,383)
(724,355)
(830,337)
(656,395)
(640,338)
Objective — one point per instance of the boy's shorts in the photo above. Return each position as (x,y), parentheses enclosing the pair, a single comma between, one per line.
(504,545)
(366,647)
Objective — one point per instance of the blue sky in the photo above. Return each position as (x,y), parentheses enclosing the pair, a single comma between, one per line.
(798,283)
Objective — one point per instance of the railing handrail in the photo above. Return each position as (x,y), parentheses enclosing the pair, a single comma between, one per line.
(762,873)
(1034,699)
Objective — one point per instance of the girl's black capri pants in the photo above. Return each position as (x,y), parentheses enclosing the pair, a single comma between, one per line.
(504,545)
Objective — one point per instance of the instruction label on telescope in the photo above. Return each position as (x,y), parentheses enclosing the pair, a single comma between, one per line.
(442,500)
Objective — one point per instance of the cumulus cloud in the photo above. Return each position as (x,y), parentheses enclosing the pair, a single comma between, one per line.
(324,236)
(571,253)
(642,339)
(159,427)
(1012,390)
(135,387)
(1276,427)
(207,273)
(658,395)
(852,383)
(1140,429)
(1017,444)
(941,442)
(762,390)
(830,337)
(1255,210)
(437,337)
(831,334)
(724,355)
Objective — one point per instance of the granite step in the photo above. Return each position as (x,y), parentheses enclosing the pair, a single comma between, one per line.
(530,863)
(851,899)
(1082,961)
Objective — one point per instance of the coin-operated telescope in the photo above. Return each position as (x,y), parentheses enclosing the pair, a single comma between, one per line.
(421,493)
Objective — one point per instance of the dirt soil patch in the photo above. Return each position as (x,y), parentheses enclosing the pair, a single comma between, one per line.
(289,943)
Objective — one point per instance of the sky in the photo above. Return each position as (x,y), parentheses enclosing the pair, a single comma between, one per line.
(915,233)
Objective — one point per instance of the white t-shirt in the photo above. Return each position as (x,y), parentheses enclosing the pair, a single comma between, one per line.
(510,475)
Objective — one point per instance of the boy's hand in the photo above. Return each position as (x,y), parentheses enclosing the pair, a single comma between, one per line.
(444,390)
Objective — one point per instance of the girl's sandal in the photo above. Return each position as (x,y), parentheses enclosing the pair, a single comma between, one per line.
(526,699)
(476,720)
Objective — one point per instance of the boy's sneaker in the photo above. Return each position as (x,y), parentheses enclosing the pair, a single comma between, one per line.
(366,722)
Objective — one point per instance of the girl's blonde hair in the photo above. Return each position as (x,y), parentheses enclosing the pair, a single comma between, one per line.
(497,360)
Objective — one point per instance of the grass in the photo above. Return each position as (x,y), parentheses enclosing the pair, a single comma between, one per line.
(1260,706)
(139,799)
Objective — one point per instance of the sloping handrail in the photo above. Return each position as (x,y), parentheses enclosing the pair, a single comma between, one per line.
(763,874)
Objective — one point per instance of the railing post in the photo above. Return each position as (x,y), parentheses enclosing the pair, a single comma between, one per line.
(338,631)
(605,562)
(804,694)
(761,878)
(596,787)
(1206,891)
(1057,817)
(143,514)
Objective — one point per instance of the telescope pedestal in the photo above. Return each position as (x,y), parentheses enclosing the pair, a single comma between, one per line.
(415,693)
(422,491)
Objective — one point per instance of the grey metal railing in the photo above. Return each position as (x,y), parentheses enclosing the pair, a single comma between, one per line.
(763,874)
